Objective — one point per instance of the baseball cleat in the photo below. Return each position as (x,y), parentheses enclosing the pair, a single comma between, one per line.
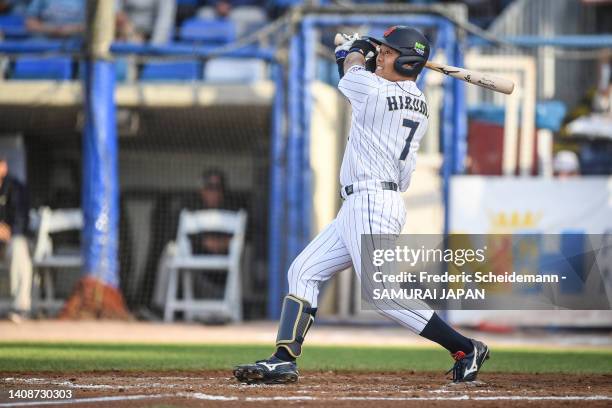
(466,366)
(270,371)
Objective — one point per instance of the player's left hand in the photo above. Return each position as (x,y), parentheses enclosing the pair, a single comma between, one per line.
(342,50)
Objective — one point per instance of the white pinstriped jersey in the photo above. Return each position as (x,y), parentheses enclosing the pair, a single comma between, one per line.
(389,120)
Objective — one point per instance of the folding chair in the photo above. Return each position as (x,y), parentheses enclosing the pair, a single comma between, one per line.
(184,263)
(46,260)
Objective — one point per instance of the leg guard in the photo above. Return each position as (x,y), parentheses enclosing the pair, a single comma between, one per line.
(296,318)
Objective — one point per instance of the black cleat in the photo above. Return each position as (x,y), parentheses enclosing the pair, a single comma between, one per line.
(467,365)
(270,371)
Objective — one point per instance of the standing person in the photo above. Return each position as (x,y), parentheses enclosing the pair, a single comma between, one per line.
(388,122)
(13,241)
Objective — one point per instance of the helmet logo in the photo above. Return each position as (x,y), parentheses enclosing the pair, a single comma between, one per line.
(419,48)
(389,31)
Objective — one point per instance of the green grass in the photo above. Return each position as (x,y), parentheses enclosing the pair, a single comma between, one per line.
(20,357)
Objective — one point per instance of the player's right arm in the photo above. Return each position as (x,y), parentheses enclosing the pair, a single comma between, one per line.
(357,82)
(353,59)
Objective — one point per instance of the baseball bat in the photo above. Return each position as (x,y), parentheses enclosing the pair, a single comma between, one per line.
(492,82)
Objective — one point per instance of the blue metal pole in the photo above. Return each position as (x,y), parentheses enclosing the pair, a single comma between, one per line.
(450,130)
(294,156)
(309,75)
(276,204)
(382,19)
(100,196)
(460,114)
(447,126)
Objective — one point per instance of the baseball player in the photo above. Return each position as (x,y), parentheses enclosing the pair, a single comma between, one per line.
(389,119)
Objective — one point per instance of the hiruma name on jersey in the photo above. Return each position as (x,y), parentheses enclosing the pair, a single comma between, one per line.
(406,102)
(428,294)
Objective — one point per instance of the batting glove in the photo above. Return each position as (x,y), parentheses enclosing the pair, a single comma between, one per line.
(366,48)
(342,50)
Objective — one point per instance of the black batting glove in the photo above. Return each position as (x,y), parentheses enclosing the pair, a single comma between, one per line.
(364,47)
(370,64)
(340,63)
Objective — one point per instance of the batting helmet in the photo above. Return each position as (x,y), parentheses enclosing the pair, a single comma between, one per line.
(412,45)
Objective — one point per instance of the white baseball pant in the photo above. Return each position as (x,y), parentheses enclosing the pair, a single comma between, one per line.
(338,247)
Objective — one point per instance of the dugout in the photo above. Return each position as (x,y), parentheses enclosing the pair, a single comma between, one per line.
(168,134)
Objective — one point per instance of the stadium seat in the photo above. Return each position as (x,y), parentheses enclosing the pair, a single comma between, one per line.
(286,3)
(122,68)
(206,13)
(13,26)
(180,264)
(247,19)
(230,70)
(48,259)
(208,32)
(172,71)
(58,68)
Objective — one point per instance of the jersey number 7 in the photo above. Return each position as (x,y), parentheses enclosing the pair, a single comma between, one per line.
(413,127)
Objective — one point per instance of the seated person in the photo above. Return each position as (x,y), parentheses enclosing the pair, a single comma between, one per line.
(56,18)
(13,6)
(212,195)
(222,9)
(146,20)
(13,242)
(566,164)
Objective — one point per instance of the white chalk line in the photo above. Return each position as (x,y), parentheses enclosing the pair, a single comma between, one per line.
(210,397)
(213,397)
(85,400)
(70,384)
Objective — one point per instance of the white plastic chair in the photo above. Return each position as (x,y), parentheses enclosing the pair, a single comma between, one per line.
(247,18)
(238,71)
(184,263)
(45,260)
(206,13)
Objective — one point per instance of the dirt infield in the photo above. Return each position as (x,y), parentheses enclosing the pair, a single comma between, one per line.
(338,389)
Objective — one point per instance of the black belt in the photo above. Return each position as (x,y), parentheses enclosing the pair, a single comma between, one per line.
(386,185)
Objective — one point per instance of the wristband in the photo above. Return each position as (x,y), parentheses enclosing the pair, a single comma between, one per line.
(341,54)
(356,49)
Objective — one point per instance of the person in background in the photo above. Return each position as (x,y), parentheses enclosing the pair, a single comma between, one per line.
(187,9)
(13,242)
(13,6)
(5,6)
(212,195)
(566,164)
(56,18)
(222,9)
(146,20)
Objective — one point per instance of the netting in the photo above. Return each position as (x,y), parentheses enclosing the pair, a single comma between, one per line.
(179,134)
(172,157)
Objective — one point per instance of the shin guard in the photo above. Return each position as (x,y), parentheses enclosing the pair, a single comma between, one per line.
(296,318)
